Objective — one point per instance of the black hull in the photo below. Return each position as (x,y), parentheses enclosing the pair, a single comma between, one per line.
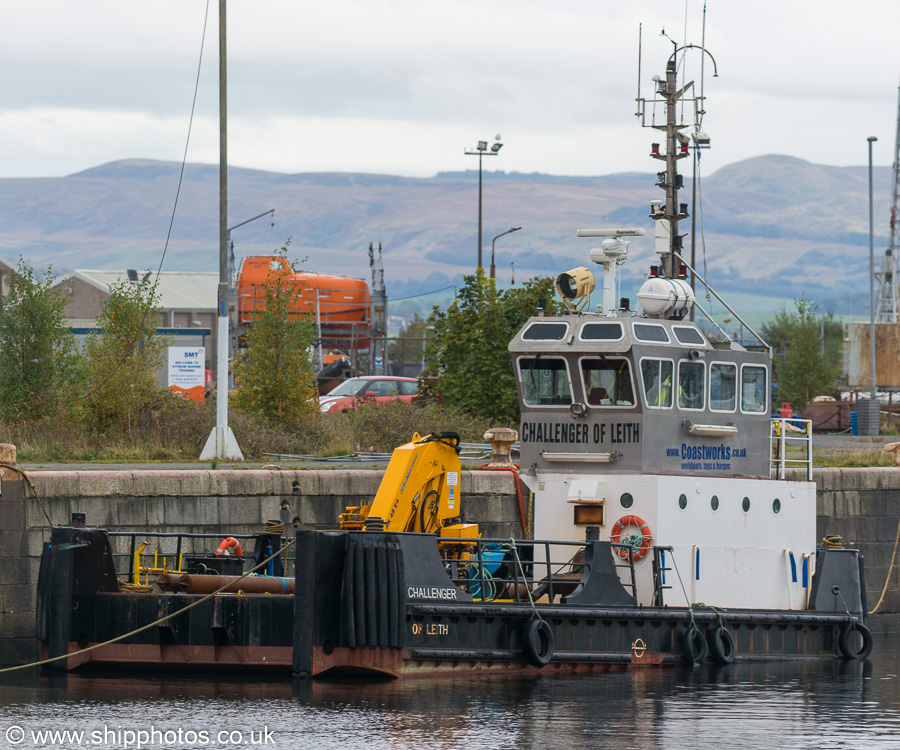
(355,612)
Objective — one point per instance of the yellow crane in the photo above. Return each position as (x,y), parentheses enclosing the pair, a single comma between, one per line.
(420,492)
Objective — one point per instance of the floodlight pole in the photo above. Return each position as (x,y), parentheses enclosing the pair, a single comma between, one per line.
(221,443)
(872,383)
(479,151)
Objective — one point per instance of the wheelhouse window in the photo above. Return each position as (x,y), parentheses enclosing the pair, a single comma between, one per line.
(651,332)
(656,376)
(601,332)
(607,381)
(722,386)
(690,385)
(753,389)
(688,335)
(545,381)
(546,332)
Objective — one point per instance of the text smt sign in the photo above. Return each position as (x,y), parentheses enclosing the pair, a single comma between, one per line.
(187,371)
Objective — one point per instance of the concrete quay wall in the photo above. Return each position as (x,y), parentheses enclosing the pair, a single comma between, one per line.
(862,505)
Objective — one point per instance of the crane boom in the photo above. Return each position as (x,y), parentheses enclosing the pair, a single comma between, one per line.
(887,306)
(419,492)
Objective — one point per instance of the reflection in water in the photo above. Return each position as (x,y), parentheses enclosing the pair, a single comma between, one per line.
(822,704)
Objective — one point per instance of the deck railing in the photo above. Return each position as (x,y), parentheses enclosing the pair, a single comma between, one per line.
(169,550)
(524,570)
(791,446)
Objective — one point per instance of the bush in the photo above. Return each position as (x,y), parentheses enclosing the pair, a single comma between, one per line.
(38,362)
(275,378)
(468,353)
(379,428)
(122,360)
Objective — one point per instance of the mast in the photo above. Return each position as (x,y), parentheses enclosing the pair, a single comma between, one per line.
(668,214)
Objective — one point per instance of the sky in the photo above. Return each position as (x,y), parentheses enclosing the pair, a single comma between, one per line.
(406,87)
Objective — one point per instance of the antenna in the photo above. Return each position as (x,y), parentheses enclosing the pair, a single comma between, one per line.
(640,48)
(701,112)
(611,254)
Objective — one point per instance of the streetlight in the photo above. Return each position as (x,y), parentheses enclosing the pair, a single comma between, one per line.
(508,231)
(482,150)
(874,428)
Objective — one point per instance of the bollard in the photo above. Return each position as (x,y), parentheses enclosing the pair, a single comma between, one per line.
(501,440)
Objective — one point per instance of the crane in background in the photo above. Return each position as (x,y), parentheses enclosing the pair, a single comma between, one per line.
(887,304)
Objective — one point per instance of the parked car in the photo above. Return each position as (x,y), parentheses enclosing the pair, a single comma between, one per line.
(380,389)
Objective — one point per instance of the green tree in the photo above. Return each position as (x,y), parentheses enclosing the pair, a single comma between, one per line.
(38,361)
(275,377)
(468,352)
(776,333)
(122,360)
(801,369)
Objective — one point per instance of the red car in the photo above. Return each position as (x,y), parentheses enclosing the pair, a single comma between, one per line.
(378,388)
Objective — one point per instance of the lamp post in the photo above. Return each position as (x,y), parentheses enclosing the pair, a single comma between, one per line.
(482,150)
(508,231)
(874,428)
(221,442)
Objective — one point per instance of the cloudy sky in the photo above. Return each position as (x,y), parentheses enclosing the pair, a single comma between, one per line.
(405,86)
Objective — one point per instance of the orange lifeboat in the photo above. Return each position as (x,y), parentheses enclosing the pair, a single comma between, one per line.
(344,302)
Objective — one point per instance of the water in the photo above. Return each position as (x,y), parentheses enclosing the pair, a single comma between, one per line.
(823,704)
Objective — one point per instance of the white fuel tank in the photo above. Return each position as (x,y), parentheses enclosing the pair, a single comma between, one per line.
(660,295)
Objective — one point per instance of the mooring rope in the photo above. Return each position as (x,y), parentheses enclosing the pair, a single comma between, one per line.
(890,570)
(152,624)
(690,607)
(515,551)
(33,488)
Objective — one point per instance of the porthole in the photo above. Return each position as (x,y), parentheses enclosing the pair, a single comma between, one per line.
(776,505)
(745,504)
(714,503)
(682,502)
(626,500)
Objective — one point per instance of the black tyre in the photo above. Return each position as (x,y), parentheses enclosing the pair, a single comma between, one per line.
(721,645)
(694,647)
(538,643)
(849,641)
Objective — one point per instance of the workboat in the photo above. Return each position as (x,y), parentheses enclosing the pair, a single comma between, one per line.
(674,519)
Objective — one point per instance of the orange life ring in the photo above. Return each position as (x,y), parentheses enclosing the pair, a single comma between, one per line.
(646,536)
(230,541)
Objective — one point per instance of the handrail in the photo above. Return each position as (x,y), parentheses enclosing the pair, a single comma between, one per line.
(544,576)
(177,553)
(785,438)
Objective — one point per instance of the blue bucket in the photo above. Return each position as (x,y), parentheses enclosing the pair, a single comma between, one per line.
(854,423)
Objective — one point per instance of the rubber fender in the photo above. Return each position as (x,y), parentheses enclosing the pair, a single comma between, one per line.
(721,645)
(847,641)
(538,643)
(694,647)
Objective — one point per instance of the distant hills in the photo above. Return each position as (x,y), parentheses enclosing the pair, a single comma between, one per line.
(772,225)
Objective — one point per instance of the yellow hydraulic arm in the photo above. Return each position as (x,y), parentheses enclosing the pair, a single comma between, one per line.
(420,490)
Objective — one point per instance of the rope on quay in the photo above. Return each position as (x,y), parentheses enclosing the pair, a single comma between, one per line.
(33,489)
(890,570)
(152,624)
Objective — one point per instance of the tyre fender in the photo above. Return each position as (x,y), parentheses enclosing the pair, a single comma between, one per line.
(847,641)
(721,645)
(694,647)
(538,643)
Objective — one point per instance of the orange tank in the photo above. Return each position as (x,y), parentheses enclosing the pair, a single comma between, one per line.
(344,302)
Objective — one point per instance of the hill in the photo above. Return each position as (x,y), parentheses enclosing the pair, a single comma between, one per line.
(772,225)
